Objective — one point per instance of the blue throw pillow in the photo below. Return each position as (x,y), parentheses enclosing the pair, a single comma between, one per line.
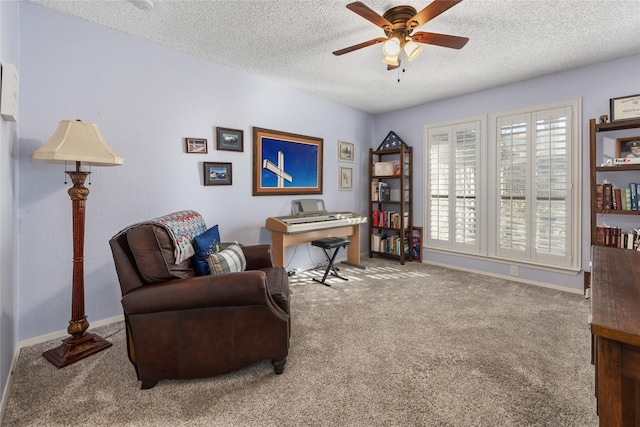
(204,245)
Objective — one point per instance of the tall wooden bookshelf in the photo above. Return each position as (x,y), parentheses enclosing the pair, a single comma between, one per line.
(620,176)
(391,202)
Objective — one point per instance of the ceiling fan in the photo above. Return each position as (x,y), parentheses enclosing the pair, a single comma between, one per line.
(398,24)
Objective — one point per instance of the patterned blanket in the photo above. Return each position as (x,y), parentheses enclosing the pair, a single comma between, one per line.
(182,227)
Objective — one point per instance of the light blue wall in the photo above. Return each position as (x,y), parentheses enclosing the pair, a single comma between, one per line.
(595,84)
(9,54)
(146,99)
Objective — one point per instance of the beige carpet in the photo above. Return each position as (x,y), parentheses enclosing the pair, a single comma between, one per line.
(411,345)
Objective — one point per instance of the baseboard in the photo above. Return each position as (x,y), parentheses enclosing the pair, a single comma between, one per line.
(509,278)
(38,340)
(7,385)
(64,333)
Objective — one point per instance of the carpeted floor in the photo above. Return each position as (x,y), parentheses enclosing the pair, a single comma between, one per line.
(411,345)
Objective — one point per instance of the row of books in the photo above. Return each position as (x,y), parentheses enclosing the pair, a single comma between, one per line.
(615,237)
(380,192)
(389,219)
(388,244)
(609,197)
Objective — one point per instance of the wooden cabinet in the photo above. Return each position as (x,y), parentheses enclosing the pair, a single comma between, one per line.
(391,202)
(615,328)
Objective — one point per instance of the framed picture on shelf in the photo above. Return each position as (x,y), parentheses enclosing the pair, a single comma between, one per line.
(345,178)
(216,173)
(628,148)
(230,139)
(625,108)
(286,163)
(196,145)
(346,151)
(416,243)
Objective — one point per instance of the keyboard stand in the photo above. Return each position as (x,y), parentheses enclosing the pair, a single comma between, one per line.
(327,244)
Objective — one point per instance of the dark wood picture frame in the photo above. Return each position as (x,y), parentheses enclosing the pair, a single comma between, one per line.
(622,147)
(286,163)
(217,173)
(624,108)
(196,145)
(416,243)
(229,139)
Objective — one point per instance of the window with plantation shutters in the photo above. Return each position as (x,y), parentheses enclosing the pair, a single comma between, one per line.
(452,165)
(534,196)
(513,198)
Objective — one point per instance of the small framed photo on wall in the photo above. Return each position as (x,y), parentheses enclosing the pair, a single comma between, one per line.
(216,173)
(345,178)
(346,151)
(230,139)
(196,145)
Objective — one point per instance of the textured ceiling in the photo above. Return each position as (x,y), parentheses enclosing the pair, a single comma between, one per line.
(291,42)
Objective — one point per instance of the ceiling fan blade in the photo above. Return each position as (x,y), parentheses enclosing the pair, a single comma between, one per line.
(443,40)
(370,15)
(430,12)
(359,46)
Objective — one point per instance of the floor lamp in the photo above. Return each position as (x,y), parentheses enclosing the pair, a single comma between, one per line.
(79,142)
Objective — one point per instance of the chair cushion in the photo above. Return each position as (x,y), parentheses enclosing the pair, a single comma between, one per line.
(204,245)
(228,260)
(153,251)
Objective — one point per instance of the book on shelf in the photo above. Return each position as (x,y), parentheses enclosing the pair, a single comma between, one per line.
(617,199)
(599,197)
(614,237)
(380,192)
(609,197)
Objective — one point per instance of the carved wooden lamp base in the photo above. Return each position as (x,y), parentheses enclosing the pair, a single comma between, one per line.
(73,349)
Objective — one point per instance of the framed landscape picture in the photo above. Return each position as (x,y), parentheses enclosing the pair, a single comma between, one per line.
(196,145)
(230,139)
(286,163)
(216,173)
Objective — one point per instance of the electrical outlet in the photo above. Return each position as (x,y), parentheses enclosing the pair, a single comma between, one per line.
(514,270)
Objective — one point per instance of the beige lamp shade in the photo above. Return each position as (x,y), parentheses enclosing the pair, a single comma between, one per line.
(77,141)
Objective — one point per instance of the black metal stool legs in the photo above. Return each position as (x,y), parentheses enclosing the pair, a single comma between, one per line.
(331,243)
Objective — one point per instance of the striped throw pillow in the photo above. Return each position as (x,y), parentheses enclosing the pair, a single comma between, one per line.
(231,259)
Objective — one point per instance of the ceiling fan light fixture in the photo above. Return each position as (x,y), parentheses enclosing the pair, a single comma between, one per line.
(391,60)
(412,50)
(391,47)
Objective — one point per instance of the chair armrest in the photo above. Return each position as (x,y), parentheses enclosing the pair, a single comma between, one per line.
(257,256)
(219,290)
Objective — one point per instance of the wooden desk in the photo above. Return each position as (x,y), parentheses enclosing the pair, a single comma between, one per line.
(615,325)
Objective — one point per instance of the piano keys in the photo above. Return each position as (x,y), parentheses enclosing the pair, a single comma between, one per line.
(295,229)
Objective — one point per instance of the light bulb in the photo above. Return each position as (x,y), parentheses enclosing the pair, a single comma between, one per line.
(391,47)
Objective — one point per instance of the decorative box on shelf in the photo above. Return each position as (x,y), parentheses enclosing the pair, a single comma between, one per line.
(383,169)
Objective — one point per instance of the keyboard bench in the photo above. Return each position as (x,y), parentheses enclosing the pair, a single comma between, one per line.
(327,244)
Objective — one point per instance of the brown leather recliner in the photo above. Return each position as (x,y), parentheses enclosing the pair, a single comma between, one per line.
(179,325)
